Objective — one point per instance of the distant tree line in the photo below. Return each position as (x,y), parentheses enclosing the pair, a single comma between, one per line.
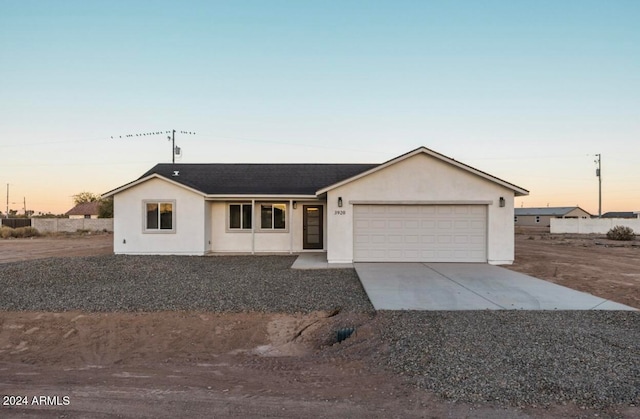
(105,210)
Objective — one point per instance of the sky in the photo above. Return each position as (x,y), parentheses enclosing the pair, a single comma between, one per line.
(528,91)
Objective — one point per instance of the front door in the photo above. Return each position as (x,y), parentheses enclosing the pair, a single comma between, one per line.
(312,227)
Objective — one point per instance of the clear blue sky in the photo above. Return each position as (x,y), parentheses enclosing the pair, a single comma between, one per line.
(528,91)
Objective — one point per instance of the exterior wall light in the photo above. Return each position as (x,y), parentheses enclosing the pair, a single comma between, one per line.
(340,201)
(502,203)
(295,204)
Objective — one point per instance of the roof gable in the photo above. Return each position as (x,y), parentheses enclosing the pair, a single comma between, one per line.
(423,150)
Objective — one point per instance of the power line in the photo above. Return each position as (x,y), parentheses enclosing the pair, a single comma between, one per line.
(175,151)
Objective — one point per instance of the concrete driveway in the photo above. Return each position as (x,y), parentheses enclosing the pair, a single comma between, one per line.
(468,286)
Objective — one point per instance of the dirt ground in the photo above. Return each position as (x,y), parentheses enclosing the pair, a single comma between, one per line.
(185,364)
(14,250)
(589,263)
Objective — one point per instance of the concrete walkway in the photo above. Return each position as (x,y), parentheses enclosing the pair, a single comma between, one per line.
(468,286)
(317,260)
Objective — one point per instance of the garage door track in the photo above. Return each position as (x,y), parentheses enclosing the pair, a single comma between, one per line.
(468,286)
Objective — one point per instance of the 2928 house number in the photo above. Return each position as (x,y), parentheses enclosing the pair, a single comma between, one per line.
(340,212)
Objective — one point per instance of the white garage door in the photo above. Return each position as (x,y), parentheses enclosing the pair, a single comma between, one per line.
(420,233)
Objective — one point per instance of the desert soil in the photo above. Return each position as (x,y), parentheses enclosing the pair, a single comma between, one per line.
(589,263)
(198,364)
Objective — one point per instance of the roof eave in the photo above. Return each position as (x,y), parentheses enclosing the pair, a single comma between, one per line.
(222,197)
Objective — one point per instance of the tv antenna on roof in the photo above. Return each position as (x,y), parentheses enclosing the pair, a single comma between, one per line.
(175,151)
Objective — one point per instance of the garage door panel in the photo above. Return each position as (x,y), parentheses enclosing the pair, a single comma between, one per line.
(411,224)
(444,239)
(378,224)
(428,239)
(426,209)
(420,233)
(428,224)
(445,225)
(477,240)
(394,225)
(411,239)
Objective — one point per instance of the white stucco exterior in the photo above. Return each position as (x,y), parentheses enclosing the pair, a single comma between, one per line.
(256,240)
(421,177)
(421,180)
(201,224)
(129,236)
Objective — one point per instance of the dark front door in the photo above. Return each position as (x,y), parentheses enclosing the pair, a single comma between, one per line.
(312,227)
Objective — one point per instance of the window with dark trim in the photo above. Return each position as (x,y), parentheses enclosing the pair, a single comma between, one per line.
(273,216)
(159,216)
(240,217)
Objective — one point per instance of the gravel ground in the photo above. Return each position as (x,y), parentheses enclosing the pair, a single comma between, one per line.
(157,283)
(511,358)
(518,358)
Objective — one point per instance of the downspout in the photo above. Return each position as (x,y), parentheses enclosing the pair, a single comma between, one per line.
(253,227)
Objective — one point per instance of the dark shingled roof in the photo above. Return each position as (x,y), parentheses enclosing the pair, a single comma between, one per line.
(257,179)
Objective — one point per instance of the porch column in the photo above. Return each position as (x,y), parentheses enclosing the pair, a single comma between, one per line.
(290,226)
(253,227)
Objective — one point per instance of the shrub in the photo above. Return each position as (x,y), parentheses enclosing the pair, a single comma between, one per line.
(621,233)
(20,232)
(6,232)
(31,232)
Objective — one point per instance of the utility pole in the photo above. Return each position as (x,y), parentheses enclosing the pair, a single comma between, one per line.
(6,215)
(599,175)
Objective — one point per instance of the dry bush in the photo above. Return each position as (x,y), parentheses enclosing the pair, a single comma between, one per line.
(6,232)
(18,233)
(621,233)
(31,232)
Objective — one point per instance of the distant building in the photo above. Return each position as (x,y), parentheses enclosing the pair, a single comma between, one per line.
(542,216)
(621,214)
(84,210)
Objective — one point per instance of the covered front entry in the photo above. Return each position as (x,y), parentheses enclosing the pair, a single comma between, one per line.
(420,233)
(312,227)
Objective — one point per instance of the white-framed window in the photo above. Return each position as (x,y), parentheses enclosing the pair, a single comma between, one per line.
(240,216)
(273,216)
(537,218)
(159,216)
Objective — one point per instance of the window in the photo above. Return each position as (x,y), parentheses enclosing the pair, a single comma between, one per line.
(159,216)
(240,216)
(272,216)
